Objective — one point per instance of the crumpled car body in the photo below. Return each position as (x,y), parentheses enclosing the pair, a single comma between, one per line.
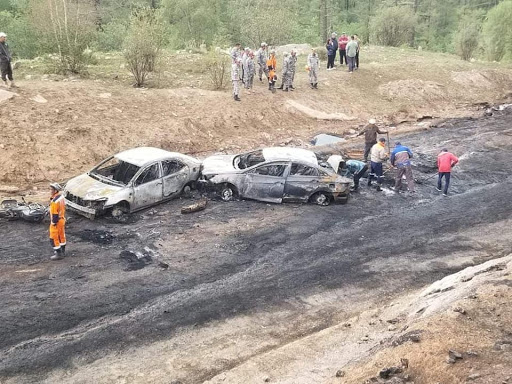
(130,181)
(283,180)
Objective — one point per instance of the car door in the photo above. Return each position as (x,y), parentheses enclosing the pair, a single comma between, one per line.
(301,182)
(175,174)
(147,187)
(266,182)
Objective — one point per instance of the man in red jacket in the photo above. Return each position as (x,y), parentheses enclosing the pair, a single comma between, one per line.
(342,45)
(445,162)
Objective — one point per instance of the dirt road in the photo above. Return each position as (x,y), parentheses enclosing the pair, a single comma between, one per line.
(173,297)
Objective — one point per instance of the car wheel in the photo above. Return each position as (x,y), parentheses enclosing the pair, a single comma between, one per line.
(321,198)
(187,190)
(120,211)
(228,192)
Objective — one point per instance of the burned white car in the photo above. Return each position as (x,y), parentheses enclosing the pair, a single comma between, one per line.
(130,181)
(275,175)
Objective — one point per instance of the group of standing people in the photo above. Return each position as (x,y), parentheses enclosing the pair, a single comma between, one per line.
(348,48)
(400,158)
(245,62)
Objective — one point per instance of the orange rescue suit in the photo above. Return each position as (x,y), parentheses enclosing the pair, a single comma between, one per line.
(271,65)
(58,221)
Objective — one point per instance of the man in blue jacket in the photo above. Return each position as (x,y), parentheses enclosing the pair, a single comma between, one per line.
(401,158)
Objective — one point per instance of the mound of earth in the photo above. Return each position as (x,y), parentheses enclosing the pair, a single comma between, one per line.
(413,90)
(471,79)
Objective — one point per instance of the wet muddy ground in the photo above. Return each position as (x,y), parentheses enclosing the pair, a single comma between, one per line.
(163,274)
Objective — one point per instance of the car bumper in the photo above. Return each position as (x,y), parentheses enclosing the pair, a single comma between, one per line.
(90,213)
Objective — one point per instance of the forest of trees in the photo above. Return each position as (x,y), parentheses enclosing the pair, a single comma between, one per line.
(471,28)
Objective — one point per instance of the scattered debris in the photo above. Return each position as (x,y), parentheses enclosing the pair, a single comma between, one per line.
(196,207)
(413,336)
(453,356)
(460,310)
(163,265)
(340,373)
(39,99)
(474,376)
(326,139)
(136,260)
(472,353)
(96,236)
(386,373)
(14,210)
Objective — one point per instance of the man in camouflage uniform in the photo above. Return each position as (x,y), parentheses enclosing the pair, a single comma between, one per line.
(249,71)
(261,57)
(313,66)
(284,72)
(292,64)
(235,78)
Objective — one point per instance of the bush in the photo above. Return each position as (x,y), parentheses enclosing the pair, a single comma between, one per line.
(67,28)
(217,66)
(112,36)
(394,26)
(144,43)
(497,31)
(467,38)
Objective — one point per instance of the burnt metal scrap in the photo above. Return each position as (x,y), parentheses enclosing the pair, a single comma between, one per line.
(14,210)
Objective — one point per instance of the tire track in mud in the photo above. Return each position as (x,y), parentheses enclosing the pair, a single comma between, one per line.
(318,248)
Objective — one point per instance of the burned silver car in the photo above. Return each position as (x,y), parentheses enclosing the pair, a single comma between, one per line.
(275,175)
(130,181)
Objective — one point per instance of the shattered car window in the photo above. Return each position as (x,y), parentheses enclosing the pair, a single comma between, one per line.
(271,170)
(303,170)
(116,170)
(247,160)
(149,174)
(170,167)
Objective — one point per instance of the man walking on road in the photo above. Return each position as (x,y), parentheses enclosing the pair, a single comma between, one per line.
(401,158)
(370,137)
(378,157)
(5,62)
(57,222)
(351,54)
(342,45)
(313,66)
(445,162)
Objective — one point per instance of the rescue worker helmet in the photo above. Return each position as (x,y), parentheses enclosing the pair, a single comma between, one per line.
(56,186)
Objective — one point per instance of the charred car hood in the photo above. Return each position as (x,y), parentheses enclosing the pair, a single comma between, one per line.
(88,188)
(214,165)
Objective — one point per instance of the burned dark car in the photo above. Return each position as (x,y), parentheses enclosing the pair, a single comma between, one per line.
(283,180)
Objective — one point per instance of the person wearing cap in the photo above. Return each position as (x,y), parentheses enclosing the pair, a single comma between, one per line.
(57,222)
(445,162)
(235,78)
(401,158)
(378,157)
(342,45)
(5,61)
(261,58)
(370,132)
(313,67)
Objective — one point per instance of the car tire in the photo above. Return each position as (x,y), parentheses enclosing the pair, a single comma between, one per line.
(120,211)
(187,190)
(321,198)
(228,192)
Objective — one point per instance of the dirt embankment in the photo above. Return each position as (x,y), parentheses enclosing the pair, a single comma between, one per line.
(52,130)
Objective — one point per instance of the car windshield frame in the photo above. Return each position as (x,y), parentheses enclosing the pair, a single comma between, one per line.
(243,158)
(98,176)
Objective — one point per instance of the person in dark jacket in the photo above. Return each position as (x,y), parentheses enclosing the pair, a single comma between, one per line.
(401,158)
(5,61)
(332,47)
(370,137)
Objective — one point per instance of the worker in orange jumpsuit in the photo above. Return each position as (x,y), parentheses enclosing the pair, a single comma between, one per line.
(272,66)
(57,222)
